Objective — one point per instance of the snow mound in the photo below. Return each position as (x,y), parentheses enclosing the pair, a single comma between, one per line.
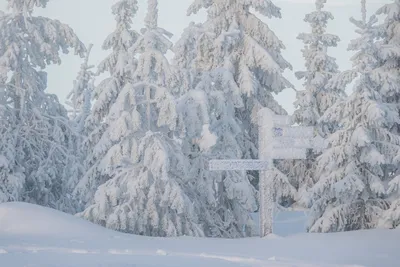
(33,220)
(49,238)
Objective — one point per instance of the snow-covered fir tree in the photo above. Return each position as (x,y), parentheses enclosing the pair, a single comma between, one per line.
(353,171)
(186,50)
(151,192)
(103,145)
(225,198)
(388,79)
(208,50)
(246,47)
(79,102)
(79,99)
(37,152)
(312,102)
(207,114)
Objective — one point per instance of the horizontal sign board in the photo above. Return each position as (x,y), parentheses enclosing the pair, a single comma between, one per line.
(290,142)
(294,132)
(237,165)
(290,153)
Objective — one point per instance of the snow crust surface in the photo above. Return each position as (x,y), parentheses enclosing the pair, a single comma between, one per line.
(40,237)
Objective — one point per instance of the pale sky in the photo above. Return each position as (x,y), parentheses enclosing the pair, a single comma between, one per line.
(92,21)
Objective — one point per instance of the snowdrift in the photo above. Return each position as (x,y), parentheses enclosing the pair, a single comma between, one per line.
(32,220)
(40,237)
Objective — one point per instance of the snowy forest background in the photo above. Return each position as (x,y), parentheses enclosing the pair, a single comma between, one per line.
(130,149)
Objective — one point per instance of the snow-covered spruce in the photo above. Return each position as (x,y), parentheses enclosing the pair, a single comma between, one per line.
(224,198)
(104,143)
(207,114)
(149,197)
(388,78)
(217,48)
(150,191)
(79,102)
(312,102)
(186,52)
(37,153)
(354,170)
(79,99)
(238,41)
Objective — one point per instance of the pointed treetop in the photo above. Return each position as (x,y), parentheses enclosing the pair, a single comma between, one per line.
(320,4)
(364,11)
(124,10)
(79,95)
(25,6)
(152,14)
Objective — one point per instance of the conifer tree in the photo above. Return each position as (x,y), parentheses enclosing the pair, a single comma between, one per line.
(186,50)
(246,47)
(37,152)
(388,79)
(207,114)
(232,50)
(350,193)
(225,198)
(104,141)
(316,98)
(150,193)
(79,99)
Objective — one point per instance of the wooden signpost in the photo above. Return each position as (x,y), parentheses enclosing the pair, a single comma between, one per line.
(277,140)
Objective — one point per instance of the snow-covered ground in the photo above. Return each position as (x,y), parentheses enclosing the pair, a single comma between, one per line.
(33,236)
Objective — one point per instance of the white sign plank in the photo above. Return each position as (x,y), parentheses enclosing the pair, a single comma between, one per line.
(237,165)
(290,153)
(295,132)
(289,142)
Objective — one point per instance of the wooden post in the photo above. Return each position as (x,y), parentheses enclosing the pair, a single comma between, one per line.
(265,148)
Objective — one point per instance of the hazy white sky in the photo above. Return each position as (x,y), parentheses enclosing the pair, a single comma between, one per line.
(92,21)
